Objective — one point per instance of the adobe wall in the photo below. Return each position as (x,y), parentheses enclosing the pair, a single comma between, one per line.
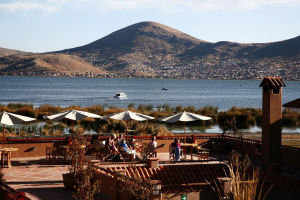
(29,149)
(38,149)
(166,142)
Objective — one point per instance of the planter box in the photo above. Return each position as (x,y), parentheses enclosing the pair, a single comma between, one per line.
(69,181)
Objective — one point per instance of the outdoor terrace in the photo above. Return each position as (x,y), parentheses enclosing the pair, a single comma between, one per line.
(42,179)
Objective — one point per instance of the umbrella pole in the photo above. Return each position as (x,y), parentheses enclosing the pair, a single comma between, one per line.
(184,132)
(126,121)
(3,134)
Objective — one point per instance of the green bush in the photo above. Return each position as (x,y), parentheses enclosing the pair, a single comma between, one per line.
(227,122)
(26,111)
(290,118)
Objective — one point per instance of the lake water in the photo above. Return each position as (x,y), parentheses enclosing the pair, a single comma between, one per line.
(223,94)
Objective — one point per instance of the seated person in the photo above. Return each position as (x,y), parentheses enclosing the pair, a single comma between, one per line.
(111,149)
(111,146)
(120,139)
(152,147)
(176,147)
(98,145)
(127,149)
(131,143)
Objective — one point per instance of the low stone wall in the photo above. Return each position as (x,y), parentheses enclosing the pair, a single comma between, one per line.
(37,148)
(29,149)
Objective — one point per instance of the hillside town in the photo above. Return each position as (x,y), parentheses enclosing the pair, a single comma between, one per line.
(236,69)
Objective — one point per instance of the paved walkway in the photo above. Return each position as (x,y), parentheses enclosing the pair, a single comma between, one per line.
(38,179)
(43,180)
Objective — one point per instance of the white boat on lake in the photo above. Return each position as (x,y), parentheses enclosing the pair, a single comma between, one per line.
(121,95)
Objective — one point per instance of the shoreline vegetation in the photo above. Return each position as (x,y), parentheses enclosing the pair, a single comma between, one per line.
(230,121)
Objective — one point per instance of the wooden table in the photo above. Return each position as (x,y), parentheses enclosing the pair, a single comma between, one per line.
(6,156)
(185,146)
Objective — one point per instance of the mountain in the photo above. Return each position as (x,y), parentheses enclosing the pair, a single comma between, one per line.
(135,45)
(150,49)
(8,52)
(45,64)
(286,48)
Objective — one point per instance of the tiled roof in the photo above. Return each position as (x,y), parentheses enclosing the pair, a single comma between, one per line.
(293,104)
(272,81)
(173,177)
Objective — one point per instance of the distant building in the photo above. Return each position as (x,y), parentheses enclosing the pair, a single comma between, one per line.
(293,105)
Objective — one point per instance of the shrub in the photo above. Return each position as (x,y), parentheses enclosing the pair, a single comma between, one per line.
(189,109)
(178,109)
(83,171)
(46,109)
(135,188)
(227,122)
(15,106)
(167,108)
(246,181)
(131,105)
(4,108)
(97,109)
(26,111)
(162,131)
(290,118)
(143,108)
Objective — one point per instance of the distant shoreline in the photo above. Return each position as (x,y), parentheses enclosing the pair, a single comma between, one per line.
(154,78)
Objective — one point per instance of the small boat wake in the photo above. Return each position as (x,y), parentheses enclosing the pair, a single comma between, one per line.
(121,95)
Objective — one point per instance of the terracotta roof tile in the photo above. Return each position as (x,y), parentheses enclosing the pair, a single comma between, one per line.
(272,81)
(293,104)
(177,176)
(180,177)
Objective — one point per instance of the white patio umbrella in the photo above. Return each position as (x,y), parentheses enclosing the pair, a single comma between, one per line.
(183,117)
(7,118)
(73,115)
(127,116)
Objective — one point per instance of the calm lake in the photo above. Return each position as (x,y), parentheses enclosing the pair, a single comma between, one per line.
(223,94)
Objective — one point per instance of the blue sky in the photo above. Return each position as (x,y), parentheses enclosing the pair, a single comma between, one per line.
(49,25)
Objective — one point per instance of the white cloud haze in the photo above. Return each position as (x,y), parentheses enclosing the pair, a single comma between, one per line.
(27,6)
(165,6)
(193,5)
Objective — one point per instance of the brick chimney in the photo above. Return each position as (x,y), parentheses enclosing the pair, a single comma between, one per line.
(271,121)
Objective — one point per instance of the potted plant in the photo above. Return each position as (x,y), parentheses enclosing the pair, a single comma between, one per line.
(82,177)
(76,156)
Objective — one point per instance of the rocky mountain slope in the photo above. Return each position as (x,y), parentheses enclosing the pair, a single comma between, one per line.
(149,49)
(8,52)
(46,64)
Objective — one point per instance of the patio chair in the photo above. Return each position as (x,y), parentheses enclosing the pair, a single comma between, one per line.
(5,156)
(151,151)
(50,153)
(202,153)
(125,156)
(54,153)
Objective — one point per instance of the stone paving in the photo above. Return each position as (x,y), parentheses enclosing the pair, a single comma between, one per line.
(38,179)
(43,180)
